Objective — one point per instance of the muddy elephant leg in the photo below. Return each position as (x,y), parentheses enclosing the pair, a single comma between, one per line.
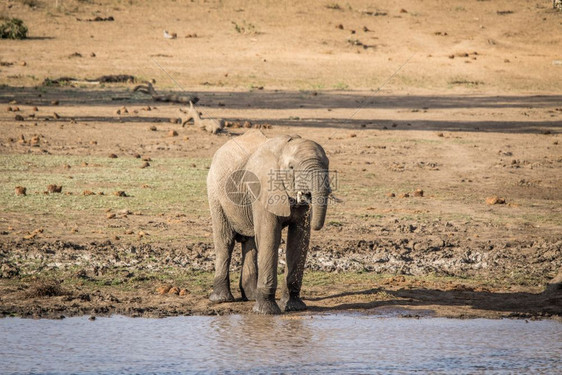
(223,237)
(249,274)
(268,238)
(298,237)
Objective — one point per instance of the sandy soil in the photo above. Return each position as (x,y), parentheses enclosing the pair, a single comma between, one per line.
(469,109)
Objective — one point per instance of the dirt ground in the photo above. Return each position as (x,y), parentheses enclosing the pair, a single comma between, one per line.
(429,112)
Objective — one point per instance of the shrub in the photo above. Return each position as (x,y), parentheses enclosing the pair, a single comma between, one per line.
(13,29)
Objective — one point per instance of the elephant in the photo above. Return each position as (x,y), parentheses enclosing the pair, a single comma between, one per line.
(256,187)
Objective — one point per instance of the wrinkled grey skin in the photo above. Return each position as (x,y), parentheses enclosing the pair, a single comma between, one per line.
(272,204)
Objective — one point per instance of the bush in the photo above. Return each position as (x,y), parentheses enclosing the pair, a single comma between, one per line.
(13,29)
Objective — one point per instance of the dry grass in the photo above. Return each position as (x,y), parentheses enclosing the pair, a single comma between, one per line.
(46,288)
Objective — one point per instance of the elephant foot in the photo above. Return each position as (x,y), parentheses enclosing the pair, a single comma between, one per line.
(219,296)
(266,308)
(248,294)
(292,304)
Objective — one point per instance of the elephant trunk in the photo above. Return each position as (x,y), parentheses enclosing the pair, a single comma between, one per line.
(319,196)
(318,211)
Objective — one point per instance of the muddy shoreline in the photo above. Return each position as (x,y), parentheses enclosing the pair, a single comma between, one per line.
(418,275)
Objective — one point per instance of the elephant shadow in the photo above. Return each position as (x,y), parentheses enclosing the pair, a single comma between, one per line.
(516,304)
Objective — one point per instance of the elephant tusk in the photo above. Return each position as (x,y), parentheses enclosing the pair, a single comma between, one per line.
(303,197)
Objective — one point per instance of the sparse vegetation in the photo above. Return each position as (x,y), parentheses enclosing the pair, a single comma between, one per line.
(245,28)
(30,3)
(464,82)
(334,6)
(13,28)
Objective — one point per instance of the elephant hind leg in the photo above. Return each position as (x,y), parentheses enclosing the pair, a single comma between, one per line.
(223,237)
(249,274)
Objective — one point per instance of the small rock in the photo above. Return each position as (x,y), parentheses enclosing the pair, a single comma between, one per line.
(163,289)
(54,188)
(153,128)
(20,190)
(113,156)
(19,118)
(120,193)
(111,215)
(390,195)
(172,133)
(404,195)
(54,102)
(418,193)
(174,290)
(56,115)
(145,165)
(495,200)
(184,292)
(92,318)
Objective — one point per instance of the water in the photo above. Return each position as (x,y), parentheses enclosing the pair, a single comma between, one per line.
(314,344)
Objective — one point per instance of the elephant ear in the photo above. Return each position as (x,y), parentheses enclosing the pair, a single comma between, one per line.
(273,193)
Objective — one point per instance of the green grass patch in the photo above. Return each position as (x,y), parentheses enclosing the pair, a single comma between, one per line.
(170,184)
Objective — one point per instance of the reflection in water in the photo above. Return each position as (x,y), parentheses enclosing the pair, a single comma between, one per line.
(263,336)
(343,343)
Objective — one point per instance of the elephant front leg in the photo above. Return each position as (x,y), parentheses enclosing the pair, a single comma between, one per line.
(268,238)
(298,238)
(223,238)
(249,274)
